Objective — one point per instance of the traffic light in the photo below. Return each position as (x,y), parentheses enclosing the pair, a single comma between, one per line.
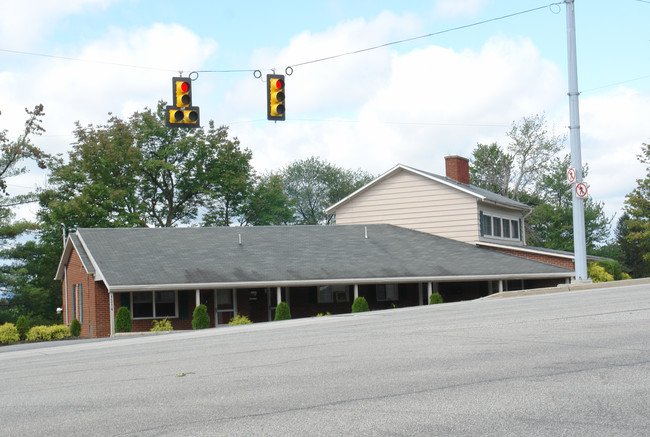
(182,113)
(275,96)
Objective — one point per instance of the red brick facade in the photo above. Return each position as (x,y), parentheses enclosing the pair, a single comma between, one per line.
(566,263)
(457,168)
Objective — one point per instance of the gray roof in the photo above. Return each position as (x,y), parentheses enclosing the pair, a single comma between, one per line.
(155,258)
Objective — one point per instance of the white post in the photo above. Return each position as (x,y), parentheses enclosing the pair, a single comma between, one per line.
(579,239)
(429,291)
(356,290)
(278,296)
(500,285)
(111,307)
(198,298)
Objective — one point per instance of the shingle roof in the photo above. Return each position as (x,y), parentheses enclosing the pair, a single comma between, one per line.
(141,258)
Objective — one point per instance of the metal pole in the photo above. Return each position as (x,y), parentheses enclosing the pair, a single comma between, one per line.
(579,240)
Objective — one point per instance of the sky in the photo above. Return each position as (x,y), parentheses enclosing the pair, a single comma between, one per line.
(469,69)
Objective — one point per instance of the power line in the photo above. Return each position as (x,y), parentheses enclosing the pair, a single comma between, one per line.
(453,29)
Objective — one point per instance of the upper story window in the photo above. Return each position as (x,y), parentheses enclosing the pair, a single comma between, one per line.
(500,227)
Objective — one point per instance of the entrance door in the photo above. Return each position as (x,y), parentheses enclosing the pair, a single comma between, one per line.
(226,306)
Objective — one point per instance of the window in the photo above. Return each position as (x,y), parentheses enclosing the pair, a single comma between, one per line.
(487,224)
(387,292)
(515,229)
(148,304)
(496,221)
(500,227)
(330,294)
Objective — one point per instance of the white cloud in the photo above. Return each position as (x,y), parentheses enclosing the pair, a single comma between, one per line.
(26,21)
(453,8)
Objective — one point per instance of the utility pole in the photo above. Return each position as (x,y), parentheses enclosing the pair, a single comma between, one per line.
(579,238)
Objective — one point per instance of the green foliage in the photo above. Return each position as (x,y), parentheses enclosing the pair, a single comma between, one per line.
(200,317)
(161,325)
(435,298)
(612,267)
(9,333)
(321,314)
(637,208)
(22,325)
(311,185)
(240,320)
(123,322)
(490,168)
(598,273)
(360,304)
(282,311)
(266,204)
(47,333)
(75,328)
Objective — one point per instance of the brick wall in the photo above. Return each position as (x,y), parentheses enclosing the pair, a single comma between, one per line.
(567,263)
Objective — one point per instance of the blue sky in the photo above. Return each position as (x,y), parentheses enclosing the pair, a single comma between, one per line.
(410,103)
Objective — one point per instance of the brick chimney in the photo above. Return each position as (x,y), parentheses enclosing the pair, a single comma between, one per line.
(457,168)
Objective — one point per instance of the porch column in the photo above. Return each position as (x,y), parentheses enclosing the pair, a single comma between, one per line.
(500,285)
(356,291)
(429,291)
(112,312)
(198,298)
(279,296)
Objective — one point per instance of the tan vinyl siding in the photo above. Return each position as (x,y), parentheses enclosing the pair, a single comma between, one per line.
(412,201)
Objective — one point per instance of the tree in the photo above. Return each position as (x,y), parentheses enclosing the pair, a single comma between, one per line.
(531,149)
(266,203)
(637,207)
(311,185)
(491,168)
(550,224)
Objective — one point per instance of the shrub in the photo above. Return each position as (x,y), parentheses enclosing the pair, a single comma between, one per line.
(200,318)
(9,333)
(321,314)
(282,311)
(612,267)
(161,325)
(625,276)
(22,325)
(123,322)
(75,328)
(598,273)
(240,320)
(47,333)
(435,299)
(360,305)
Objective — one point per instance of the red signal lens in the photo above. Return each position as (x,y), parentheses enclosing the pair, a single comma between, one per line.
(185,87)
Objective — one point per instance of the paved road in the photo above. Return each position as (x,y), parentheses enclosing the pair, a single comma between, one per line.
(573,363)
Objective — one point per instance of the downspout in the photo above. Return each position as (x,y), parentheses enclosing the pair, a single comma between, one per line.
(65,280)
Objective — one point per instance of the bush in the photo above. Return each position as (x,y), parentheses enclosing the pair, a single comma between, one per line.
(161,325)
(282,311)
(123,322)
(22,325)
(321,314)
(47,333)
(612,267)
(435,299)
(75,328)
(200,318)
(240,320)
(598,273)
(9,333)
(360,305)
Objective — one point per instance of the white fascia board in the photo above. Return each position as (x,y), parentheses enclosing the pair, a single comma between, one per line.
(526,249)
(67,250)
(323,282)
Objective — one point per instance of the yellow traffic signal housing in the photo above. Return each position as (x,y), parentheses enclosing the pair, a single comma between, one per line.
(182,113)
(275,108)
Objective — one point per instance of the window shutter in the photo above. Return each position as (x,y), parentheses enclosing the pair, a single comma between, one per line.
(81,304)
(520,229)
(480,219)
